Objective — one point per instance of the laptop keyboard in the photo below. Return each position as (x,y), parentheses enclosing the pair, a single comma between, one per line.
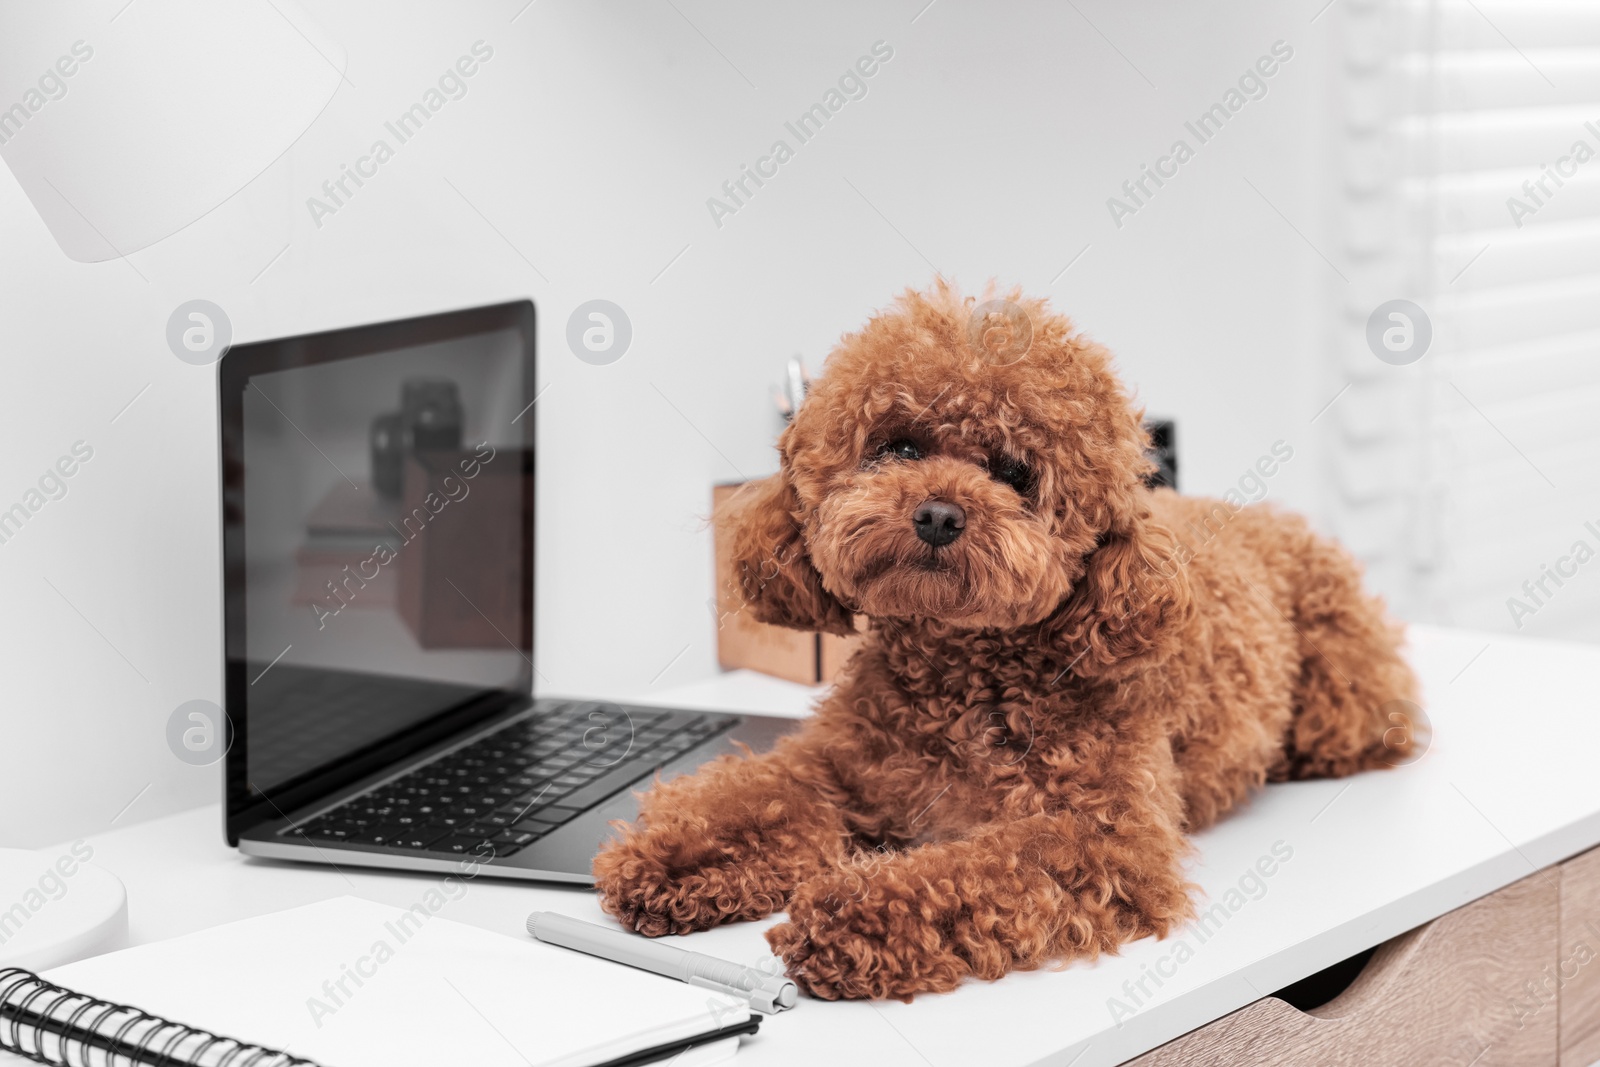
(514,786)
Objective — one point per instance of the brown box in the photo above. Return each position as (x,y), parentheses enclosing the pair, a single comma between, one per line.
(742,641)
(465,560)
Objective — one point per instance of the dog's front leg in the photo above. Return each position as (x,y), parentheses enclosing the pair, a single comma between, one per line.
(1011,896)
(729,842)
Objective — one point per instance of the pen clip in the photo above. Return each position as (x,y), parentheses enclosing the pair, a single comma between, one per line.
(759,999)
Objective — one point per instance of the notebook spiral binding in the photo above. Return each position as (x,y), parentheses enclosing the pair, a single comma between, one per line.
(32,1008)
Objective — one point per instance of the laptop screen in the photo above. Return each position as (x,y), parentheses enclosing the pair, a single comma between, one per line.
(378,496)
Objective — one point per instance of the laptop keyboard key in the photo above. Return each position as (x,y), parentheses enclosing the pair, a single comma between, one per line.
(417,840)
(551,816)
(456,844)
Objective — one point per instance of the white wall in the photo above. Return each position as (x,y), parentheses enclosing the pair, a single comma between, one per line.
(590,142)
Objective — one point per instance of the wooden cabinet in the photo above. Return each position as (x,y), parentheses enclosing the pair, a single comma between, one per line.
(1576,968)
(1509,980)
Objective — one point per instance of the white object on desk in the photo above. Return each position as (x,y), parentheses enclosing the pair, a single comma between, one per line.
(56,908)
(1516,726)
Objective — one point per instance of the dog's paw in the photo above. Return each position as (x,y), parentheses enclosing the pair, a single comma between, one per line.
(848,938)
(671,880)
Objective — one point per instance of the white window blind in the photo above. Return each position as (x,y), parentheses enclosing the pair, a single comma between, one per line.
(1469,182)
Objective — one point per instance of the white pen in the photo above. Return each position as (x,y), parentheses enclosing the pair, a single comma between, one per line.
(768,994)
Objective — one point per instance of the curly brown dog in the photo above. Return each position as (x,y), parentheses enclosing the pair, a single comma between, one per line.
(1064,670)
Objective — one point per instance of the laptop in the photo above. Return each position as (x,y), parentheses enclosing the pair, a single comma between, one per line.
(378,525)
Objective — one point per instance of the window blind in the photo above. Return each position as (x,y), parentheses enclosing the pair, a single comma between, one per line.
(1469,182)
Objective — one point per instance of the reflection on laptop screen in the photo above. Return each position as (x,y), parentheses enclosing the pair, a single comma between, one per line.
(385,502)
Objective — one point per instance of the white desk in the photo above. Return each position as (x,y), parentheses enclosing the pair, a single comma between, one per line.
(1510,784)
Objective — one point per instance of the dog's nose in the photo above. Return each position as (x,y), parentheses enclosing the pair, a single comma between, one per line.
(939,522)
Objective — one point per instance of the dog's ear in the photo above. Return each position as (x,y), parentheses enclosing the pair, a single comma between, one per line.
(772,569)
(1135,585)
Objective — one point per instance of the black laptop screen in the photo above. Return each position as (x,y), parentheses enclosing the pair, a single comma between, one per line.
(378,496)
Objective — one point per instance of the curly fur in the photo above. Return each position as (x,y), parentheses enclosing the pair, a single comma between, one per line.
(1004,773)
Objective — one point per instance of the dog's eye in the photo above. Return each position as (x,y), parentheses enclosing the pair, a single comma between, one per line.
(1014,473)
(901,448)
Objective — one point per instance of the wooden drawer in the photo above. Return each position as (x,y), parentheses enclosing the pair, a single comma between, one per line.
(1575,975)
(1467,988)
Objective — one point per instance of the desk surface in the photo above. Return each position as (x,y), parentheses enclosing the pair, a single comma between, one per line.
(1508,786)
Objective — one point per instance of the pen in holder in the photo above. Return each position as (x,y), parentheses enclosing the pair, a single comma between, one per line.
(796,383)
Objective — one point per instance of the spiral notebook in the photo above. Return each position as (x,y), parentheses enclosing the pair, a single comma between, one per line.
(350,983)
